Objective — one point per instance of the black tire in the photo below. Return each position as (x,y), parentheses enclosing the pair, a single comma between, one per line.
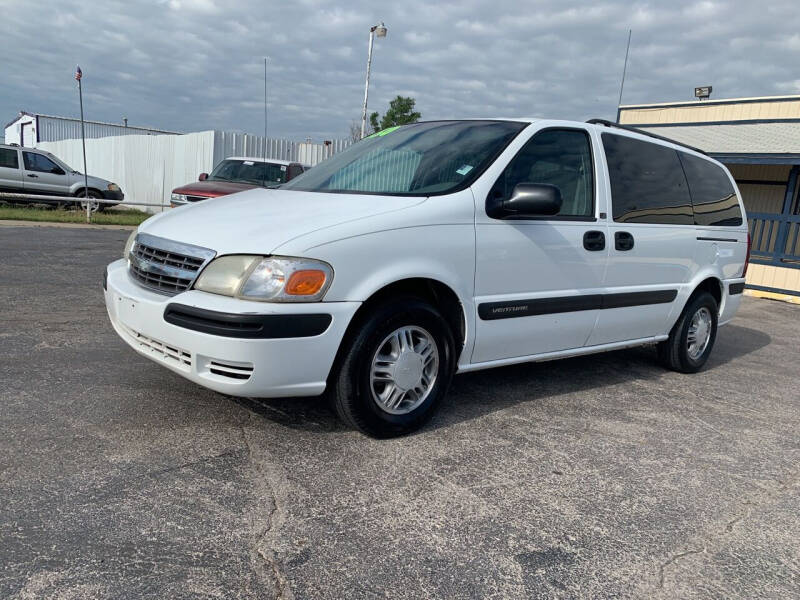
(674,352)
(350,390)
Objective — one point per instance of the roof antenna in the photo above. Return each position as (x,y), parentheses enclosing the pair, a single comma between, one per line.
(624,69)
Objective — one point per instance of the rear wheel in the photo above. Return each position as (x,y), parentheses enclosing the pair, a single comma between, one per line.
(692,338)
(395,369)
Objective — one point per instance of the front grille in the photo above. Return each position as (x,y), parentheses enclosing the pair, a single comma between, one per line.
(165,352)
(165,266)
(196,198)
(164,257)
(162,283)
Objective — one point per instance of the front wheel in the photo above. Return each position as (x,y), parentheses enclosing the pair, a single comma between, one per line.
(395,369)
(92,200)
(692,338)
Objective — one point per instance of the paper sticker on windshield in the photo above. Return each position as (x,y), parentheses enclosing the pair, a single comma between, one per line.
(283,167)
(249,163)
(464,169)
(383,132)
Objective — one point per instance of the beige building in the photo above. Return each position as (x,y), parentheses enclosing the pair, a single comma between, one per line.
(758,139)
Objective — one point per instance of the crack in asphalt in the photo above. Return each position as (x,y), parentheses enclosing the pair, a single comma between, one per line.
(672,559)
(262,551)
(763,498)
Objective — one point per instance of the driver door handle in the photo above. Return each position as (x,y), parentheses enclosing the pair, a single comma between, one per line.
(623,241)
(32,175)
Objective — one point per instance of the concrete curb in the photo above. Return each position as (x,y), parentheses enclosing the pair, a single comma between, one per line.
(13,223)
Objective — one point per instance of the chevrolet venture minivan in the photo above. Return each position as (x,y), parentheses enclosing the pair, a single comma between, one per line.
(438,248)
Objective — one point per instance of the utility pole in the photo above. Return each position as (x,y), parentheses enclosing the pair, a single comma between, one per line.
(624,69)
(380,31)
(78,76)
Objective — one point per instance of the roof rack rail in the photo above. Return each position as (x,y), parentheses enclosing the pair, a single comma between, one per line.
(647,133)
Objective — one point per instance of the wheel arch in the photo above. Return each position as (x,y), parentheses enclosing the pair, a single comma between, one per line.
(441,295)
(77,192)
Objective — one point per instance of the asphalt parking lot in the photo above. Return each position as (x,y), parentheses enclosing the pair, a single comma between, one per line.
(603,476)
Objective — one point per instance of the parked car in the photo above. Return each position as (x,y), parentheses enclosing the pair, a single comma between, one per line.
(439,248)
(237,174)
(32,171)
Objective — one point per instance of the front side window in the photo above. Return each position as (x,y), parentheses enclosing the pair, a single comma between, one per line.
(713,197)
(647,182)
(421,159)
(37,162)
(248,171)
(559,157)
(9,158)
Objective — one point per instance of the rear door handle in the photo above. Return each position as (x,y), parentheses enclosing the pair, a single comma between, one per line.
(623,241)
(32,175)
(594,241)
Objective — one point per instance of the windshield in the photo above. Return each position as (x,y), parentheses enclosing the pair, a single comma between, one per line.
(248,171)
(413,160)
(60,163)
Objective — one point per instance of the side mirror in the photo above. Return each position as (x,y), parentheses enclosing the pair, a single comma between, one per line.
(528,200)
(57,171)
(203,177)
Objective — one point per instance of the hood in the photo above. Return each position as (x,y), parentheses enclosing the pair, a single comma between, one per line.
(212,189)
(260,220)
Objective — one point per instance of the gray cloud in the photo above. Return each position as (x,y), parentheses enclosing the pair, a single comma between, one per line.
(197,64)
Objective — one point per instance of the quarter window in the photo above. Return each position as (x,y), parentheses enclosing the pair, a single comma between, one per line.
(647,182)
(8,158)
(37,162)
(559,157)
(713,197)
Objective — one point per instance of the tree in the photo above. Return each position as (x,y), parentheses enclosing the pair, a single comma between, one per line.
(401,112)
(355,131)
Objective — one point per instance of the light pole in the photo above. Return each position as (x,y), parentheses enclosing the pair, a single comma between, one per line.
(380,31)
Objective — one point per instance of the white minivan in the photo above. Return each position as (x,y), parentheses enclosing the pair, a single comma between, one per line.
(438,248)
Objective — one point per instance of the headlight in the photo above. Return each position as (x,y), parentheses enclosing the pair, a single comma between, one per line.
(129,244)
(270,279)
(179,198)
(113,187)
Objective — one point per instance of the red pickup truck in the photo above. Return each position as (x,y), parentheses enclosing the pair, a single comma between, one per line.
(236,174)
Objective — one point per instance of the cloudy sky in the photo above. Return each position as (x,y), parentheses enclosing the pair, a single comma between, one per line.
(190,65)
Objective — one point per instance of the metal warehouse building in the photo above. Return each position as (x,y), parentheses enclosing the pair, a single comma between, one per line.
(758,139)
(28,129)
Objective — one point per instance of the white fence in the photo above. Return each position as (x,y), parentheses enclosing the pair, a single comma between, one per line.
(148,168)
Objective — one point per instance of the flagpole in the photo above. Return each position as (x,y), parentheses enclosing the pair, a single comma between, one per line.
(78,76)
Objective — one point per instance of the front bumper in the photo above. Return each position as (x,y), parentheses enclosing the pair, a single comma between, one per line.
(109,195)
(252,367)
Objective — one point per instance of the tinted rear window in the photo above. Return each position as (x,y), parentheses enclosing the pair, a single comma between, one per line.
(8,158)
(713,196)
(647,182)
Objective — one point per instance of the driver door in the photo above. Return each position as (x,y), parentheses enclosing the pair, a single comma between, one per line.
(42,176)
(537,278)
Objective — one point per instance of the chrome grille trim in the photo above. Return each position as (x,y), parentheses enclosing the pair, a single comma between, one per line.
(165,266)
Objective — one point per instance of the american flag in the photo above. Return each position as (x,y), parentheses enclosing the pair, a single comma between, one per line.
(78,74)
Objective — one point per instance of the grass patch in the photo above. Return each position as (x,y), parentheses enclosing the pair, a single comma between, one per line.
(110,216)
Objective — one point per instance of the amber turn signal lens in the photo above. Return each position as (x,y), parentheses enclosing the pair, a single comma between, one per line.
(305,283)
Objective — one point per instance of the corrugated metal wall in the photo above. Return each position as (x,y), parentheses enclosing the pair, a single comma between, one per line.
(148,168)
(766,198)
(241,144)
(53,129)
(697,112)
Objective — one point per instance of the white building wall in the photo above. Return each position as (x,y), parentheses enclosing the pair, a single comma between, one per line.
(148,168)
(24,124)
